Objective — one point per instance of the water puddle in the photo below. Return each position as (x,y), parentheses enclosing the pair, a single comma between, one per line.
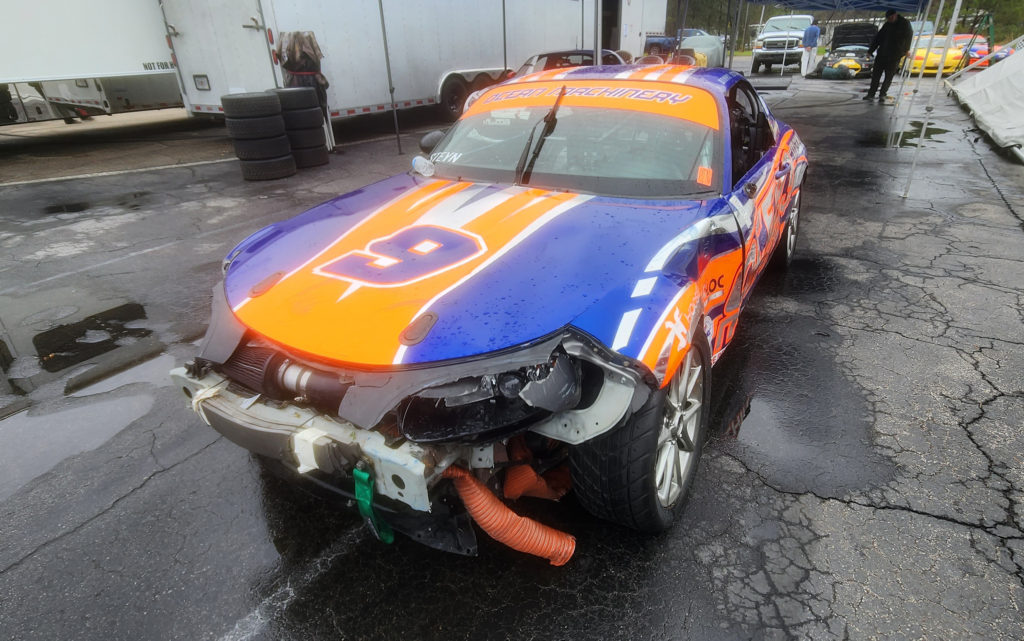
(31,444)
(909,139)
(913,132)
(67,345)
(65,208)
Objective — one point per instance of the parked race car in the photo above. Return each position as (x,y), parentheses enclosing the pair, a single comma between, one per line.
(848,55)
(566,59)
(535,307)
(977,48)
(964,50)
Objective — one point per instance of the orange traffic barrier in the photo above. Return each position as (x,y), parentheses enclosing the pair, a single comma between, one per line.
(503,525)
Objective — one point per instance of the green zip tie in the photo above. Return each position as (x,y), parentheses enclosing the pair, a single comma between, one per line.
(364,497)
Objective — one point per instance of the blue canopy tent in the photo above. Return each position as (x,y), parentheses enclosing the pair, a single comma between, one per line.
(905,7)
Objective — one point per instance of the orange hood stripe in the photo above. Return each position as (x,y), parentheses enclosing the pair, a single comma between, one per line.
(361,322)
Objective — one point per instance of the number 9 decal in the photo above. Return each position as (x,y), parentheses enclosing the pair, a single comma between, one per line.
(409,255)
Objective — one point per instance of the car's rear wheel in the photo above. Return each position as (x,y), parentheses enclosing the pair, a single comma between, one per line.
(639,474)
(783,254)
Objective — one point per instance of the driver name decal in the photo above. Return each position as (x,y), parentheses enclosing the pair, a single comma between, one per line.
(629,93)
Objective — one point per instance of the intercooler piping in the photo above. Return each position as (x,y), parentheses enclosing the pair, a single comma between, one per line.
(503,525)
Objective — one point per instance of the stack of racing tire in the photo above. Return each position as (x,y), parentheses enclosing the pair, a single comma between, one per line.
(256,127)
(304,125)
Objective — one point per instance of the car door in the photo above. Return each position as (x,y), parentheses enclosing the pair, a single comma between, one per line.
(761,173)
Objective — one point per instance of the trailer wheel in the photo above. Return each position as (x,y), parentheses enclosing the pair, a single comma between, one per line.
(303,118)
(453,97)
(482,81)
(263,127)
(262,148)
(310,157)
(303,138)
(250,105)
(297,97)
(268,169)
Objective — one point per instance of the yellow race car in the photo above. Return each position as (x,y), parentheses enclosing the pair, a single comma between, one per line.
(932,58)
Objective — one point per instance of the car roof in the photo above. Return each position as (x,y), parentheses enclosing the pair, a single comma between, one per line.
(714,80)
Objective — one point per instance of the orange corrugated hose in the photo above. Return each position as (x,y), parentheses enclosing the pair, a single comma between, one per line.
(503,525)
(523,480)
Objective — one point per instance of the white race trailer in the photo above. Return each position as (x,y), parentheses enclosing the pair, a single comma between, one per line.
(434,52)
(110,57)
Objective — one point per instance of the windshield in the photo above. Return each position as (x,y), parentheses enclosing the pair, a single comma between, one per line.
(922,27)
(614,152)
(787,23)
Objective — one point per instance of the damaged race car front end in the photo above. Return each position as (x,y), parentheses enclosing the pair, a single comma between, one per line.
(422,450)
(535,307)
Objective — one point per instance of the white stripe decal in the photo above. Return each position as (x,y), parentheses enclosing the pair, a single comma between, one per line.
(625,330)
(644,287)
(683,76)
(456,213)
(694,232)
(520,237)
(351,229)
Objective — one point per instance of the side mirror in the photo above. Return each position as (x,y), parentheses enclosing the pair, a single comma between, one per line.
(430,140)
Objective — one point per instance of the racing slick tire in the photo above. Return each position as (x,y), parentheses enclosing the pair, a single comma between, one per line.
(783,254)
(250,105)
(310,157)
(262,127)
(639,474)
(453,98)
(305,138)
(262,148)
(297,97)
(303,118)
(268,169)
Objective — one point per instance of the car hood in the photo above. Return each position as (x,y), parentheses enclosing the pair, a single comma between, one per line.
(414,270)
(769,35)
(860,33)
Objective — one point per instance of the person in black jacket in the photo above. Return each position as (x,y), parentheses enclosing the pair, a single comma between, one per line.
(892,43)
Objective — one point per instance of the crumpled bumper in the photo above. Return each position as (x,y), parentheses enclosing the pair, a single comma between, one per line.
(322,452)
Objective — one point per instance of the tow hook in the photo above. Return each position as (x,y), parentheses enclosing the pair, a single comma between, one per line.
(364,498)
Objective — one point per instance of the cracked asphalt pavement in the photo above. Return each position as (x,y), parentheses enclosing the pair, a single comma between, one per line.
(864,477)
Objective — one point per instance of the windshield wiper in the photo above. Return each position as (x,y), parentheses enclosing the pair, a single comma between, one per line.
(523,168)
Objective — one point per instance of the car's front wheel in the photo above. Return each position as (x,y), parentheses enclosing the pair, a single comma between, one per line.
(639,474)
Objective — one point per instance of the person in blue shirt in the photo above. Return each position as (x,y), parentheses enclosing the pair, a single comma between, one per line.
(811,35)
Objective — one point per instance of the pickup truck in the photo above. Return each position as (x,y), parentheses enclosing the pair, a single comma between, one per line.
(657,44)
(780,41)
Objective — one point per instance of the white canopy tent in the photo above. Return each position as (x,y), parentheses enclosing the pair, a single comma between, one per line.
(995,98)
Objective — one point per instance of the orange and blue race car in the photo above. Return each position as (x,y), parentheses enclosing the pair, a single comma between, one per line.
(534,309)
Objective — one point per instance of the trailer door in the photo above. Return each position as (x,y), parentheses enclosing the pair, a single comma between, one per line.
(222,47)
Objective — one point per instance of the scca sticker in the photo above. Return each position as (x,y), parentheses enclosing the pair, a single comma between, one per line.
(407,256)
